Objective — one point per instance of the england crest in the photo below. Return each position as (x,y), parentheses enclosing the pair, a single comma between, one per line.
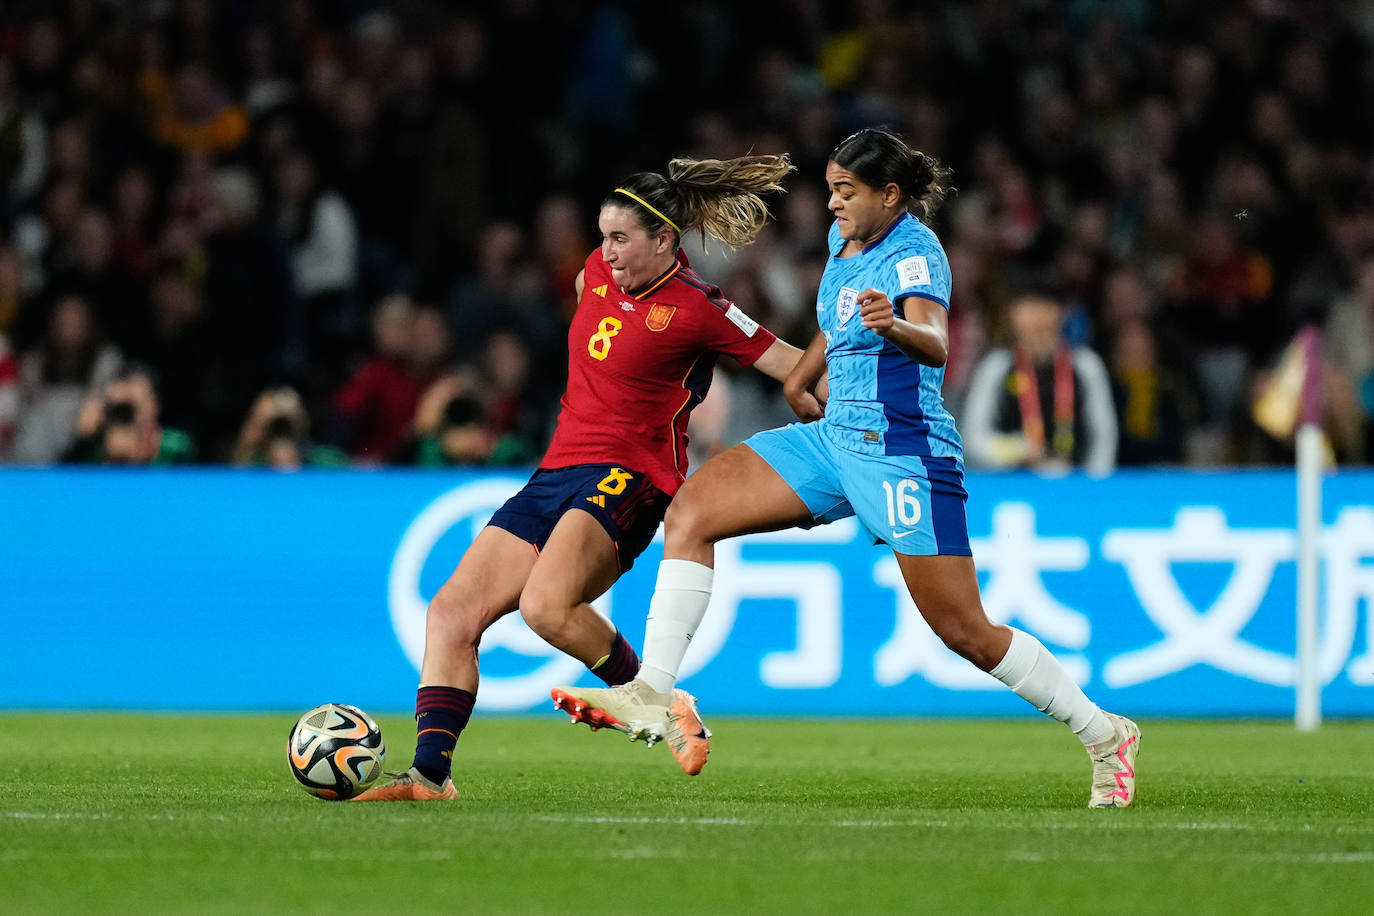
(848,305)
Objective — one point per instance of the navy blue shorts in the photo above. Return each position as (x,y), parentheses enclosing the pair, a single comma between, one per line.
(626,504)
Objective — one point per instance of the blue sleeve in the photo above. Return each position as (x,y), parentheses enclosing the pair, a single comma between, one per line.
(919,268)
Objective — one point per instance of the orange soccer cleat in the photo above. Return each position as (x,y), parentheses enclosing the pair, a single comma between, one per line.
(410,786)
(688,737)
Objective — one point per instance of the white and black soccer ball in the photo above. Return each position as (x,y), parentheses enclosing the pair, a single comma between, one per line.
(335,751)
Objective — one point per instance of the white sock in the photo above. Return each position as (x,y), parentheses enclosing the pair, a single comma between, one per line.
(680,598)
(1036,676)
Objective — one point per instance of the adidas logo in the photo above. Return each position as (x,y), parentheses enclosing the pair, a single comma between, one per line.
(601,290)
(598,499)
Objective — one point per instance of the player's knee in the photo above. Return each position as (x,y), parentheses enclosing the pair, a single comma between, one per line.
(974,641)
(686,521)
(452,620)
(543,612)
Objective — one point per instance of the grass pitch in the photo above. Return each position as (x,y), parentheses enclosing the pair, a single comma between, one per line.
(194,813)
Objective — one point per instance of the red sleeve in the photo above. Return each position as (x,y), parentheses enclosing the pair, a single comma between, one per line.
(731,332)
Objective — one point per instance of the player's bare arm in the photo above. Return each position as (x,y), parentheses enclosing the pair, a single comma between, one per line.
(923,336)
(804,386)
(777,361)
(578,283)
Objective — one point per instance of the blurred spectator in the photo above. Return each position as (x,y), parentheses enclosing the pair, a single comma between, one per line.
(516,405)
(86,267)
(120,425)
(55,378)
(452,428)
(1221,291)
(178,348)
(191,111)
(134,224)
(561,249)
(375,406)
(40,233)
(505,288)
(12,293)
(1349,359)
(288,163)
(1151,404)
(276,435)
(245,285)
(322,244)
(1040,403)
(23,138)
(972,289)
(265,86)
(707,427)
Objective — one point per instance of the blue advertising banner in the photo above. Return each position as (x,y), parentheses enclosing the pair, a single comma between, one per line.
(1164,593)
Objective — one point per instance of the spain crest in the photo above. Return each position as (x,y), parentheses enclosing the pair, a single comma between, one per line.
(659,316)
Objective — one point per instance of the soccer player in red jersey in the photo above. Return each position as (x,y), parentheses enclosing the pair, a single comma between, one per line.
(641,347)
(882,308)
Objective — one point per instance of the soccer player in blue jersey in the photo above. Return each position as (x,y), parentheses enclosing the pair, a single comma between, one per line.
(885,450)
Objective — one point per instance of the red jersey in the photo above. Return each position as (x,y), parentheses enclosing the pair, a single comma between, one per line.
(637,365)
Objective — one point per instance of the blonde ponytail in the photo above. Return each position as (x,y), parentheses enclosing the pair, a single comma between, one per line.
(720,198)
(716,197)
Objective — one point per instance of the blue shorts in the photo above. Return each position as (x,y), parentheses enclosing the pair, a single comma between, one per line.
(913,503)
(623,501)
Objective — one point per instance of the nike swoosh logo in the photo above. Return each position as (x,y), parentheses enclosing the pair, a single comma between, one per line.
(901,534)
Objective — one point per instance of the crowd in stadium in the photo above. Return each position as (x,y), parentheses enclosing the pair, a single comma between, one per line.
(310,233)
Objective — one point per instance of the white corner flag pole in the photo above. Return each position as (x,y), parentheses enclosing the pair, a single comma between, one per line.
(1307,713)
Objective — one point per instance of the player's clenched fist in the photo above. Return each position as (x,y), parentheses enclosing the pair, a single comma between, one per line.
(875,309)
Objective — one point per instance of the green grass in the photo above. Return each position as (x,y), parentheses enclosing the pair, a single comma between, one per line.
(125,813)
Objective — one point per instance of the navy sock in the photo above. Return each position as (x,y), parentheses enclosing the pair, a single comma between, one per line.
(441,713)
(621,666)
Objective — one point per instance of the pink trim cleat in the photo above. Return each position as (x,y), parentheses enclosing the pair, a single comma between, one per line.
(1114,766)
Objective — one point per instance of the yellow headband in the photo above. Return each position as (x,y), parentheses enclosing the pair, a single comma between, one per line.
(648,206)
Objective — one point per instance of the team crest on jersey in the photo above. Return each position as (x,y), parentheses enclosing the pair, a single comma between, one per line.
(848,305)
(659,316)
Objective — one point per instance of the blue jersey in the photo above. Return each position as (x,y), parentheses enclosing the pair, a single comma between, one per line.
(882,402)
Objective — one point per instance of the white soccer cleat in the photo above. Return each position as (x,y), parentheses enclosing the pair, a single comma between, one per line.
(634,708)
(1114,765)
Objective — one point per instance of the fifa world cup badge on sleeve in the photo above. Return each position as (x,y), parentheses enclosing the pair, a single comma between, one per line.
(913,271)
(741,320)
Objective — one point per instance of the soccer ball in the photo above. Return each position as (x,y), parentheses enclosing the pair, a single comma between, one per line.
(335,751)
